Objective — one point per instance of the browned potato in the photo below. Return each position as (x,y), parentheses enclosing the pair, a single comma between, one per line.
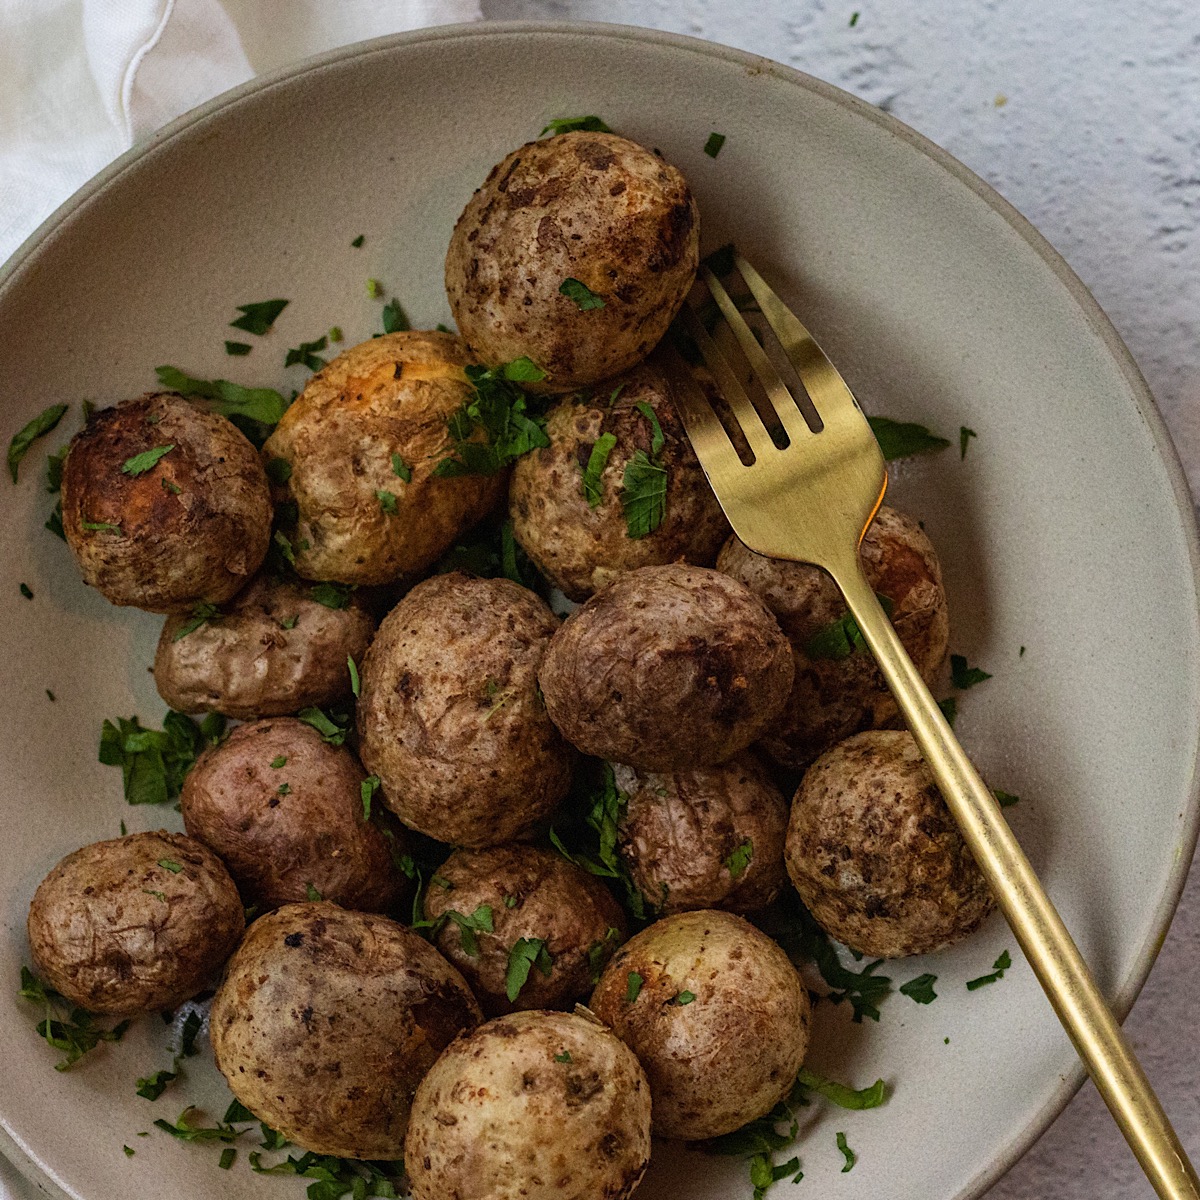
(284,810)
(272,651)
(717,1016)
(709,838)
(579,535)
(165,504)
(327,1020)
(360,446)
(875,854)
(507,899)
(135,924)
(668,668)
(833,697)
(588,212)
(450,717)
(532,1106)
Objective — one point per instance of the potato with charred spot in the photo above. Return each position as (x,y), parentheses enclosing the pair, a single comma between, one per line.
(327,1020)
(284,811)
(356,454)
(506,895)
(273,650)
(668,668)
(531,1106)
(838,689)
(165,505)
(717,1016)
(450,717)
(875,854)
(134,924)
(708,838)
(568,500)
(577,252)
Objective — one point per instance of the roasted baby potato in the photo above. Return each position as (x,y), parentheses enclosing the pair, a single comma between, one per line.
(274,649)
(875,854)
(576,252)
(134,924)
(580,506)
(356,453)
(327,1020)
(668,668)
(717,1016)
(838,689)
(284,811)
(450,718)
(165,505)
(531,1106)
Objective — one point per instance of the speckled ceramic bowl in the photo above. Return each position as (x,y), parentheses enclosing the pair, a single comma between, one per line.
(1066,530)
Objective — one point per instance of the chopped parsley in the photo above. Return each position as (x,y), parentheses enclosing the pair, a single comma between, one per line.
(26,592)
(169,864)
(374,289)
(170,486)
(395,319)
(358,241)
(597,460)
(401,469)
(97,526)
(331,595)
(227,1157)
(202,612)
(643,495)
(54,522)
(739,860)
(480,921)
(311,893)
(337,1177)
(355,682)
(332,726)
(857,1099)
(964,437)
(54,469)
(564,1057)
(903,439)
(633,987)
(920,989)
(949,708)
(525,954)
(583,296)
(187,1129)
(237,349)
(841,638)
(574,125)
(1005,799)
(387,501)
(284,789)
(258,318)
(713,146)
(758,1141)
(279,470)
(72,1032)
(964,676)
(598,952)
(682,998)
(41,425)
(263,406)
(157,895)
(366,791)
(139,464)
(280,760)
(335,333)
(510,902)
(853,19)
(154,1085)
(306,354)
(129,1151)
(153,763)
(848,1154)
(998,968)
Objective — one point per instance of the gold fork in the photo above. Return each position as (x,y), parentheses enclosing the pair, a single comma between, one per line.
(812,502)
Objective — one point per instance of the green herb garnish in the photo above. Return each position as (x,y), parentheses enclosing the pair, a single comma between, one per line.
(311,893)
(575,124)
(853,19)
(920,989)
(395,319)
(713,146)
(280,760)
(227,1157)
(355,682)
(153,763)
(366,791)
(643,495)
(262,405)
(237,349)
(682,998)
(739,860)
(186,1129)
(306,354)
(963,676)
(73,1031)
(964,436)
(633,987)
(841,638)
(332,727)
(949,708)
(332,595)
(998,968)
(598,952)
(1005,799)
(903,439)
(583,296)
(41,425)
(841,1095)
(564,1057)
(98,526)
(848,1154)
(139,464)
(480,921)
(202,612)
(358,241)
(169,864)
(374,289)
(279,470)
(154,1085)
(257,318)
(26,592)
(401,469)
(387,501)
(284,789)
(597,460)
(525,954)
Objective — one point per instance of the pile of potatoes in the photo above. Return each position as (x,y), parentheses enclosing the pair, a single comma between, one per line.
(456,1039)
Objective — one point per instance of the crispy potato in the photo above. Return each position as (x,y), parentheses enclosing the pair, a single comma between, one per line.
(287,828)
(719,1020)
(272,651)
(450,717)
(709,838)
(667,669)
(580,546)
(530,894)
(327,1020)
(835,697)
(875,854)
(377,413)
(591,208)
(532,1106)
(134,924)
(165,534)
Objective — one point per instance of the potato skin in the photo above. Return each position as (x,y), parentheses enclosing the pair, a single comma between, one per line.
(555,900)
(391,395)
(875,854)
(587,206)
(579,548)
(195,526)
(501,1117)
(278,845)
(117,933)
(450,718)
(247,663)
(731,1054)
(679,830)
(833,698)
(668,668)
(326,1021)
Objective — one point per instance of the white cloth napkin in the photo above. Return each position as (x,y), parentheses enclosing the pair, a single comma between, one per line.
(83,80)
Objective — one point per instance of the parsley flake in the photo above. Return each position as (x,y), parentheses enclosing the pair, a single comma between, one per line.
(153,763)
(387,501)
(480,921)
(1005,799)
(358,241)
(401,469)
(260,405)
(154,1085)
(713,146)
(41,425)
(187,1130)
(559,125)
(355,682)
(395,319)
(583,296)
(332,727)
(597,460)
(964,436)
(682,998)
(169,864)
(311,893)
(227,1157)
(643,495)
(903,439)
(139,464)
(998,968)
(26,592)
(510,902)
(374,289)
(853,19)
(525,954)
(97,526)
(258,318)
(331,595)
(857,1099)
(848,1154)
(279,470)
(564,1057)
(920,989)
(335,333)
(202,612)
(237,349)
(949,708)
(964,676)
(306,355)
(280,760)
(72,1032)
(366,791)
(739,860)
(633,987)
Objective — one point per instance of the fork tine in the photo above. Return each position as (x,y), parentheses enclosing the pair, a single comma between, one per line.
(708,436)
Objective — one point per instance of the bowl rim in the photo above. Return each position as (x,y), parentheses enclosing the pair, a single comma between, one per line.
(1097,320)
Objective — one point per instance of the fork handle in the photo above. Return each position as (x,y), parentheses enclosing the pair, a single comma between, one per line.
(1038,928)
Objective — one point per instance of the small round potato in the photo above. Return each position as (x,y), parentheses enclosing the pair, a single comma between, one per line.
(833,697)
(571,518)
(576,252)
(875,854)
(531,1106)
(164,504)
(717,1016)
(668,668)
(450,717)
(327,1020)
(135,924)
(284,811)
(531,895)
(356,454)
(709,838)
(274,650)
